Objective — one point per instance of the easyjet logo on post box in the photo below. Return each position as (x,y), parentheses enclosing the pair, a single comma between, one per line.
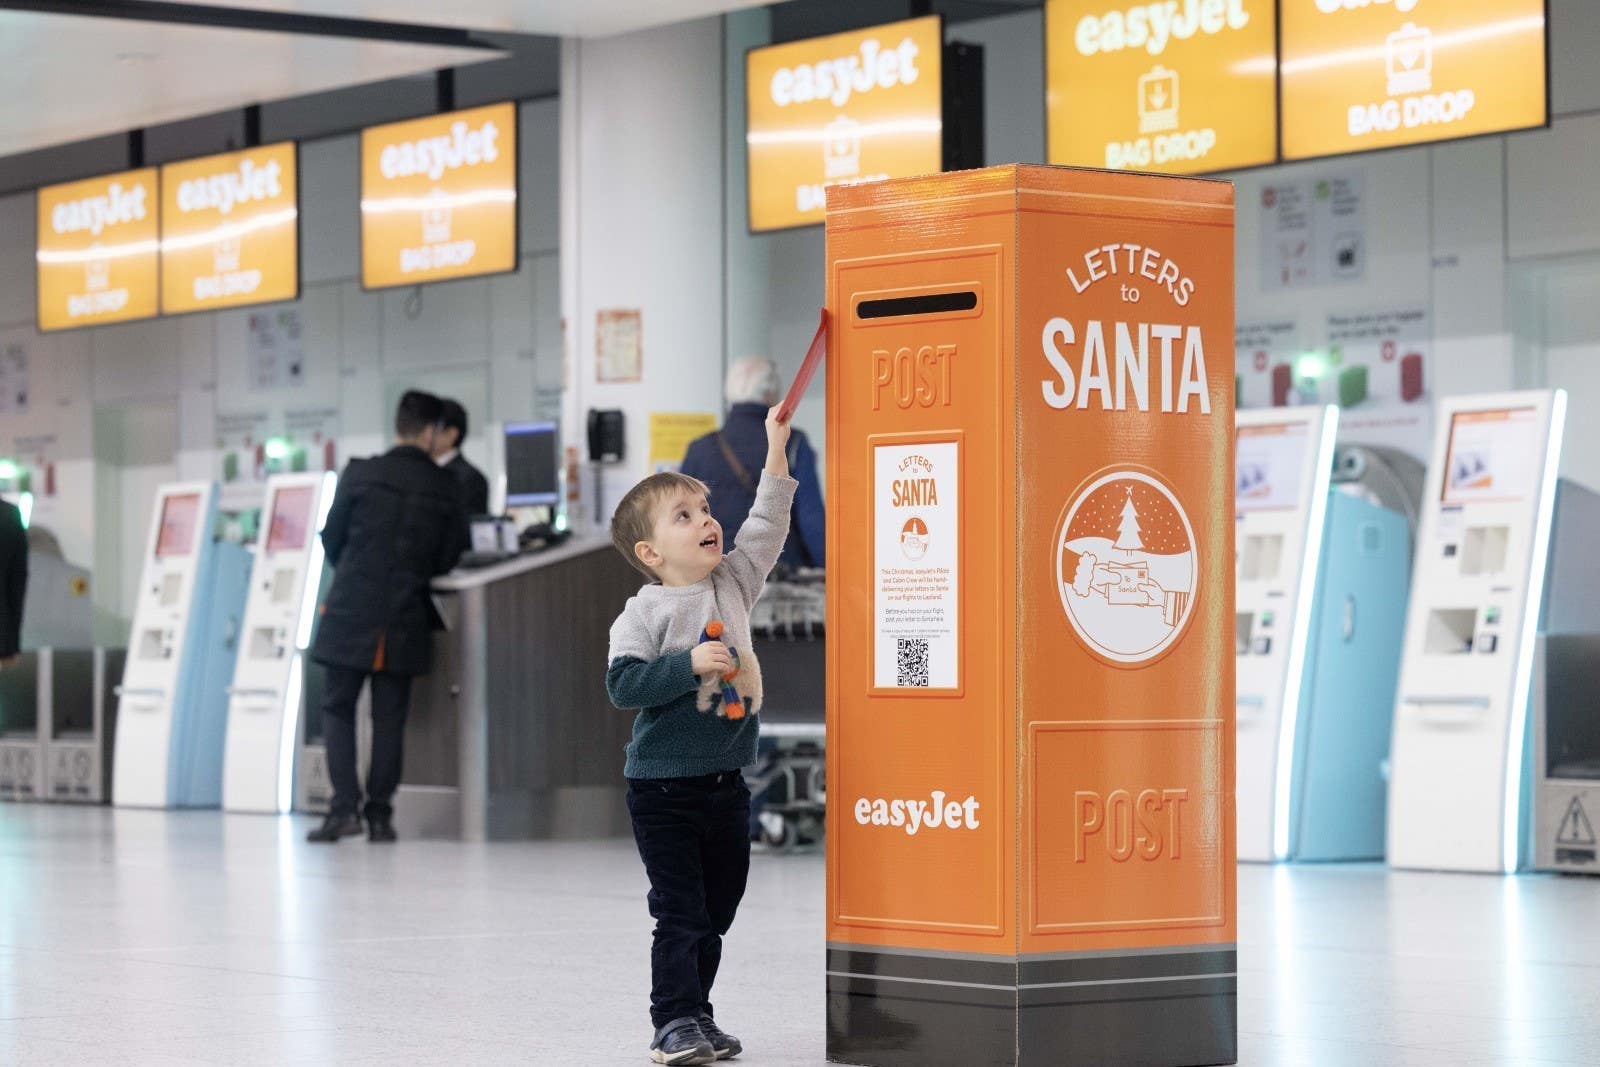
(1175,86)
(230,230)
(439,197)
(1365,74)
(913,815)
(97,253)
(840,110)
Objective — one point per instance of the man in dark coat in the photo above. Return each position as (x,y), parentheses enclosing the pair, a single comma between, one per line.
(13,581)
(447,451)
(396,522)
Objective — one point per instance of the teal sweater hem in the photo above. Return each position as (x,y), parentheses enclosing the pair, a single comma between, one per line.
(671,737)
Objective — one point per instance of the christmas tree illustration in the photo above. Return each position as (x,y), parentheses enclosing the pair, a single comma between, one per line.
(1128,529)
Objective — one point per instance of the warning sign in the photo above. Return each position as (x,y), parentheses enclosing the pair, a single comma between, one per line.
(917,542)
(1575,840)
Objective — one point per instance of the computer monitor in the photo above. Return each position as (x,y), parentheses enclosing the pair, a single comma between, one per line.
(533,473)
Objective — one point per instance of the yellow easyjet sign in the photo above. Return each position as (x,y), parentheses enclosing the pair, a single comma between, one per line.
(1364,74)
(230,230)
(853,107)
(97,250)
(1177,87)
(439,197)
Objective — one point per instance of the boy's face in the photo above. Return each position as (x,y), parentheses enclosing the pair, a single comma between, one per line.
(686,542)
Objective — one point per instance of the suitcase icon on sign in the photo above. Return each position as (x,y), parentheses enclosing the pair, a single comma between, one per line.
(1282,383)
(1411,388)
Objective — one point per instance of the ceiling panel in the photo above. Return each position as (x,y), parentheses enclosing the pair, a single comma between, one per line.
(86,77)
(560,18)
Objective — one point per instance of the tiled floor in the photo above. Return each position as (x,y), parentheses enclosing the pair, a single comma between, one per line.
(132,938)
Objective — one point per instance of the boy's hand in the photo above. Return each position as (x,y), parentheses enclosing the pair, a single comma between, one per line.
(711,657)
(777,444)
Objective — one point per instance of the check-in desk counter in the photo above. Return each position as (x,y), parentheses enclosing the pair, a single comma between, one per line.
(512,735)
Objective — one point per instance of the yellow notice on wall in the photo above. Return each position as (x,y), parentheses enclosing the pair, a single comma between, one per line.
(839,110)
(1359,76)
(439,197)
(97,252)
(1180,91)
(671,434)
(230,230)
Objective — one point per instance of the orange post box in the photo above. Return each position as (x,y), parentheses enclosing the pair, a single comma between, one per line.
(1031,646)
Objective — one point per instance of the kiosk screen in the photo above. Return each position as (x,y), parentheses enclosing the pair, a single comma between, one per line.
(180,515)
(1493,456)
(1268,467)
(291,519)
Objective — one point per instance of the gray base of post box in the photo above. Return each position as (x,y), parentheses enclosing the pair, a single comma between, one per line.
(1138,1008)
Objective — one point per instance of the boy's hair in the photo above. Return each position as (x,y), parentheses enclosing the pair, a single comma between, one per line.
(415,413)
(633,521)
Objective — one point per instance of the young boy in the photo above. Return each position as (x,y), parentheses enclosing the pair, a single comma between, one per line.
(690,807)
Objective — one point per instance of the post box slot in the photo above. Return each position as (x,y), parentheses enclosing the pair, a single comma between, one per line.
(919,304)
(895,307)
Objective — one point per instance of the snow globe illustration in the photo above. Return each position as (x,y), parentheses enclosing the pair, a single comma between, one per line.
(1126,566)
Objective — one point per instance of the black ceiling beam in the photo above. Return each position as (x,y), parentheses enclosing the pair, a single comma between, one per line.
(232,18)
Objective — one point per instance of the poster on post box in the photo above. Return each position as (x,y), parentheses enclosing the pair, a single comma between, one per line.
(917,553)
(841,110)
(1359,75)
(230,230)
(1168,88)
(98,251)
(439,197)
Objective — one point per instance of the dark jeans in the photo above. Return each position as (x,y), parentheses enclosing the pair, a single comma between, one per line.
(694,837)
(391,698)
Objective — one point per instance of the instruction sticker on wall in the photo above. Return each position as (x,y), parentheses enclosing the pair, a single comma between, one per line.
(917,554)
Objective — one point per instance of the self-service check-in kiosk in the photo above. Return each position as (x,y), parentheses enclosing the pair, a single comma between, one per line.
(21,741)
(1030,819)
(266,698)
(172,715)
(80,723)
(1504,554)
(1322,578)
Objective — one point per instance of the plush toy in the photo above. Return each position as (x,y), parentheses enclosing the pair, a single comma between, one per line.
(732,706)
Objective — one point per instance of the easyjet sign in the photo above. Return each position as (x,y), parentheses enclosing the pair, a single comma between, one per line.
(230,230)
(439,197)
(1365,74)
(96,252)
(841,110)
(1178,86)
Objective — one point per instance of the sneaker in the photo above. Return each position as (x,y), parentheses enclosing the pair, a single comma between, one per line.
(381,831)
(334,827)
(726,1046)
(681,1042)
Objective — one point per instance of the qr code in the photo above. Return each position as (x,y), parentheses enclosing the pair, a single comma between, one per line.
(911,661)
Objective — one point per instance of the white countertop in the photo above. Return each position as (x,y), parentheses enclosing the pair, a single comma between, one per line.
(577,545)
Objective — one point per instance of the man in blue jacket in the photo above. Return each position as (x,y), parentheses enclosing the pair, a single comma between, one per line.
(730,461)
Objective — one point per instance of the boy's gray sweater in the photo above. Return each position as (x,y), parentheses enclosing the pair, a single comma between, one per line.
(679,731)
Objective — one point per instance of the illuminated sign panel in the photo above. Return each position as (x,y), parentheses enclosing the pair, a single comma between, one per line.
(840,110)
(439,197)
(97,251)
(1365,74)
(230,230)
(1175,88)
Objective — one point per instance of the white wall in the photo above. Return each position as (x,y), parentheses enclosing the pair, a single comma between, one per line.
(495,341)
(643,207)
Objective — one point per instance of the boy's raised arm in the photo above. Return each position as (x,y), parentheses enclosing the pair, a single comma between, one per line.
(762,536)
